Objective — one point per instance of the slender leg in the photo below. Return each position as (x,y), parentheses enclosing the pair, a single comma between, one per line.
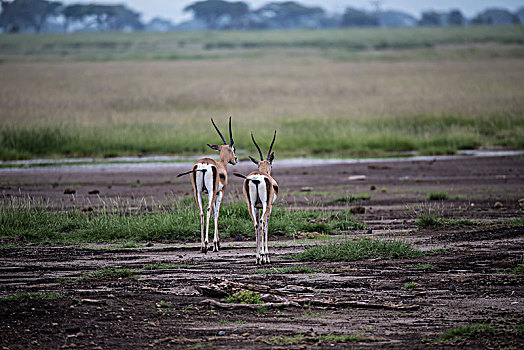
(199,203)
(216,238)
(257,233)
(209,209)
(262,233)
(266,226)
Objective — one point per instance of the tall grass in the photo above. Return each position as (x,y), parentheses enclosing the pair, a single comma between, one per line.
(180,223)
(437,135)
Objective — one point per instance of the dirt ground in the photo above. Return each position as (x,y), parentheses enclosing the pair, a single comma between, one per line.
(382,303)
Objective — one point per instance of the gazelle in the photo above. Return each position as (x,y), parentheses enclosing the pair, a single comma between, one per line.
(260,191)
(210,176)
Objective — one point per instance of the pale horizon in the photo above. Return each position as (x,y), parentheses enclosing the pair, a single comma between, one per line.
(174,11)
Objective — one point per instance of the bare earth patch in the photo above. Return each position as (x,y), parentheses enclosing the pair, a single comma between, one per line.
(156,296)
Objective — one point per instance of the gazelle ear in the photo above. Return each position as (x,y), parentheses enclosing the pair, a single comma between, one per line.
(271,157)
(215,147)
(254,160)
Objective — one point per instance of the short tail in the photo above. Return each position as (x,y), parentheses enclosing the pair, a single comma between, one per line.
(240,175)
(190,172)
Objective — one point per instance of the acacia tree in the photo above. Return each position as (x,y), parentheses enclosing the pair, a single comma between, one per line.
(431,19)
(104,17)
(289,14)
(356,18)
(21,14)
(213,12)
(455,18)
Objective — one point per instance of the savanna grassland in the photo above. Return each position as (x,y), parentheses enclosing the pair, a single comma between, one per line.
(411,253)
(340,92)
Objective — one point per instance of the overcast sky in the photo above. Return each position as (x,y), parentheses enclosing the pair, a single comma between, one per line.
(173,9)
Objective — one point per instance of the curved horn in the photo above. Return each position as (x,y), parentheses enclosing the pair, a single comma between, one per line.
(259,151)
(231,142)
(223,139)
(272,142)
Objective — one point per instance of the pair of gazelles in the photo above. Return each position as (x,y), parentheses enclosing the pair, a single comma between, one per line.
(260,191)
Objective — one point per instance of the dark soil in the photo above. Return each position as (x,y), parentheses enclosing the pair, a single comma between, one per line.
(465,280)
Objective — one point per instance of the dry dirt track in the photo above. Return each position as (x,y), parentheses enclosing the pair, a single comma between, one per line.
(458,286)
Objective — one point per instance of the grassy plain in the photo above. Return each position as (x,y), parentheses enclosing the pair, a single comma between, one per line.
(340,92)
(31,223)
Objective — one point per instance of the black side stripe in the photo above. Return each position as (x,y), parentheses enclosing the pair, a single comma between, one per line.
(214,177)
(268,190)
(246,188)
(276,188)
(194,176)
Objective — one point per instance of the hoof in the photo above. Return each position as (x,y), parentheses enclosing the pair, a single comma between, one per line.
(203,249)
(216,247)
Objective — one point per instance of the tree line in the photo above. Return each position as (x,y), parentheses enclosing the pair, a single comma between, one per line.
(44,15)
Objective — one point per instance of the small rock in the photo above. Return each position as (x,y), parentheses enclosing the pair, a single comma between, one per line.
(452,287)
(357,209)
(245,335)
(55,184)
(87,208)
(69,191)
(373,187)
(498,205)
(221,333)
(357,177)
(379,166)
(306,189)
(239,237)
(521,203)
(94,192)
(369,231)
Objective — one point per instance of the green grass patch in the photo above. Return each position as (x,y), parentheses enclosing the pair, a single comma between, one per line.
(107,273)
(163,266)
(244,297)
(341,44)
(345,338)
(351,198)
(411,285)
(301,338)
(358,250)
(519,222)
(434,222)
(32,296)
(165,304)
(179,222)
(465,332)
(285,270)
(519,270)
(437,196)
(377,136)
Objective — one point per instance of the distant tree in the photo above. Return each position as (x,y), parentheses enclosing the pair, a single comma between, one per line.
(104,17)
(158,24)
(496,16)
(520,14)
(218,14)
(455,18)
(289,14)
(396,19)
(20,14)
(431,19)
(356,18)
